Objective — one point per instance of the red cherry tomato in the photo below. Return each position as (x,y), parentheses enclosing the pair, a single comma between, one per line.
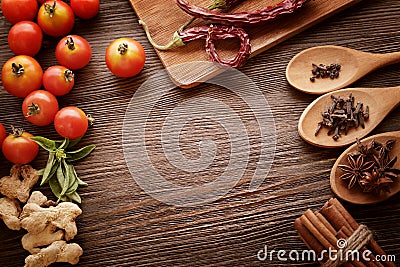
(21,75)
(40,107)
(25,38)
(58,80)
(73,52)
(19,148)
(3,134)
(71,122)
(125,57)
(16,11)
(85,9)
(56,18)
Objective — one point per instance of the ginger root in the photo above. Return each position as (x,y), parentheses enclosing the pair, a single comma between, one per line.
(58,251)
(9,212)
(46,225)
(38,198)
(14,187)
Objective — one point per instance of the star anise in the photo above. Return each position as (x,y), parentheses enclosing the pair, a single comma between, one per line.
(365,150)
(377,173)
(384,149)
(373,181)
(385,167)
(356,169)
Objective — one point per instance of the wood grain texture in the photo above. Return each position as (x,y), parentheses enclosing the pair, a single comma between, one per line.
(164,18)
(121,225)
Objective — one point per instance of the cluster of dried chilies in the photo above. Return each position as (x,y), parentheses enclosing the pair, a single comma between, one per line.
(224,26)
(334,229)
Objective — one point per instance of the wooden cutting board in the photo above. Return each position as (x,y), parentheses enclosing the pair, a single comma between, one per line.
(164,18)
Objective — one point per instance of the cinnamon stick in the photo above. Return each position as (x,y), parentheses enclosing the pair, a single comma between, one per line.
(311,242)
(314,231)
(356,263)
(376,249)
(321,230)
(338,221)
(346,233)
(327,229)
(325,222)
(333,215)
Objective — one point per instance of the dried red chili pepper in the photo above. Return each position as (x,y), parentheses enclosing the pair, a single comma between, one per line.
(210,34)
(241,19)
(220,32)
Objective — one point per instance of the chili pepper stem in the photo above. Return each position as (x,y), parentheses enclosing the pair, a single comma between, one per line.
(176,40)
(217,4)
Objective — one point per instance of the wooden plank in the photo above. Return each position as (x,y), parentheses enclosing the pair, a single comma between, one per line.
(164,18)
(122,226)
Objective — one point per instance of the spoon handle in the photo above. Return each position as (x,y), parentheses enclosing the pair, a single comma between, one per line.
(389,98)
(386,59)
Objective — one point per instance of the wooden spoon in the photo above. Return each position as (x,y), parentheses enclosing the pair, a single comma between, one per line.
(381,101)
(355,195)
(354,65)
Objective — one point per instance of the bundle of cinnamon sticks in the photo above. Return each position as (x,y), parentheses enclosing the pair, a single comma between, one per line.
(334,229)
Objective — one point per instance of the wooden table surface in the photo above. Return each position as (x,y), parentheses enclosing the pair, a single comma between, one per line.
(122,225)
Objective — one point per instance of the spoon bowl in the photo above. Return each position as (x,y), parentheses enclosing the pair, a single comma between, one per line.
(356,195)
(354,65)
(381,101)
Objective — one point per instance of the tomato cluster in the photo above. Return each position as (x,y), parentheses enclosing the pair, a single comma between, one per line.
(23,76)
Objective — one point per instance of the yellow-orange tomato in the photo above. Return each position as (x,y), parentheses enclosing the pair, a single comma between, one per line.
(125,57)
(21,75)
(56,18)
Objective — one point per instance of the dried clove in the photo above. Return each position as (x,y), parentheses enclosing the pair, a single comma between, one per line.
(342,115)
(325,71)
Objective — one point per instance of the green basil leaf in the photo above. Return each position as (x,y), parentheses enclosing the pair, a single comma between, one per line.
(80,153)
(73,187)
(53,170)
(75,197)
(64,144)
(74,142)
(60,178)
(56,189)
(50,163)
(40,172)
(45,143)
(80,182)
(59,142)
(73,183)
(67,177)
